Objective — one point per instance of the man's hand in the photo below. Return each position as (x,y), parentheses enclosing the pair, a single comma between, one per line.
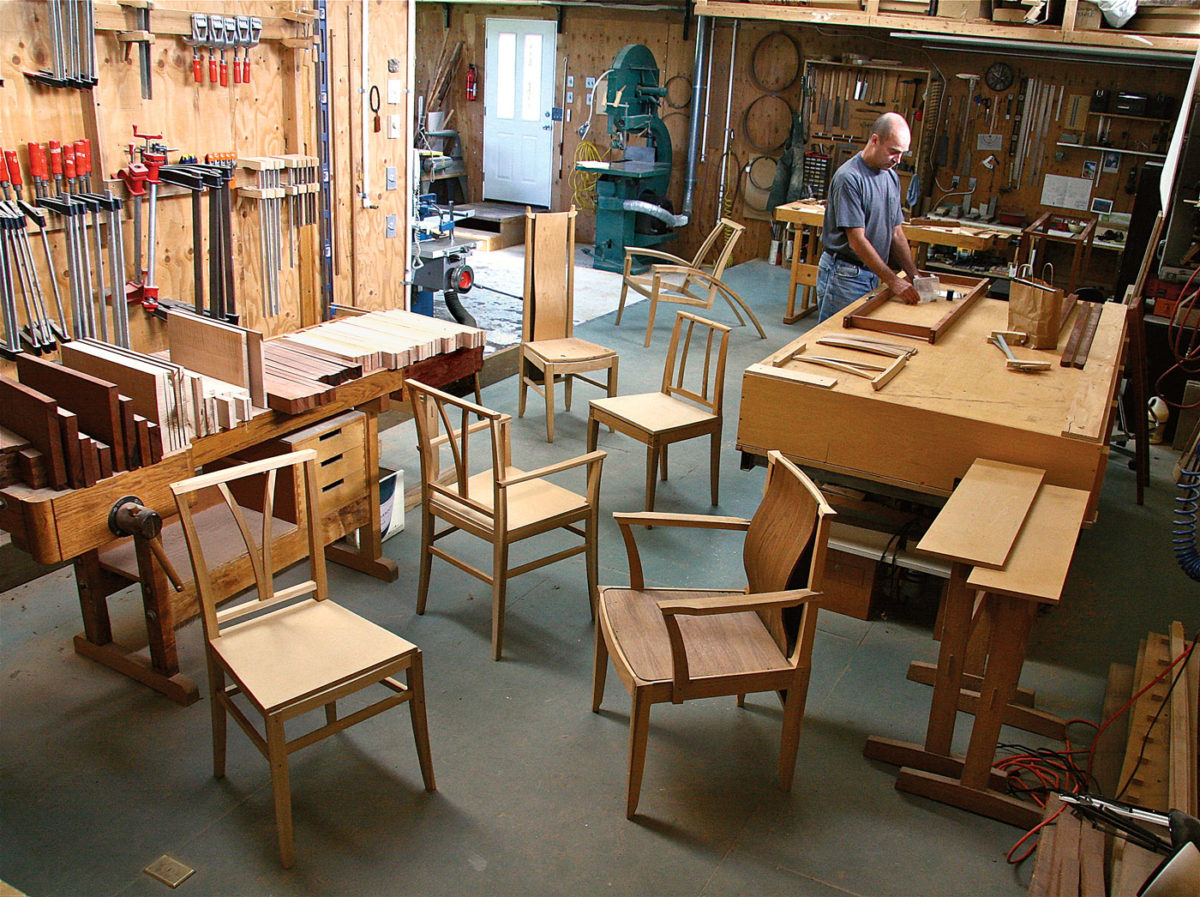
(904,291)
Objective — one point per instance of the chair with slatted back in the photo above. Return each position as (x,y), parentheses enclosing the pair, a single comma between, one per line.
(678,644)
(491,499)
(550,352)
(684,407)
(697,283)
(288,651)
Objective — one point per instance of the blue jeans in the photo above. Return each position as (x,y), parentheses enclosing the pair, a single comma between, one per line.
(839,283)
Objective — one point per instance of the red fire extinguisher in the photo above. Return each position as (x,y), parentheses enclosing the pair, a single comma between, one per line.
(472,82)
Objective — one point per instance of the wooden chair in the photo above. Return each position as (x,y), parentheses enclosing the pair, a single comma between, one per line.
(683,408)
(678,644)
(695,283)
(549,349)
(289,651)
(501,504)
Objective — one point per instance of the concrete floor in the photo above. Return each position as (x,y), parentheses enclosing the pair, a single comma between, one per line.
(99,777)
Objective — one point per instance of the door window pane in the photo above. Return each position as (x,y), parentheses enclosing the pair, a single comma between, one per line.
(531,78)
(506,65)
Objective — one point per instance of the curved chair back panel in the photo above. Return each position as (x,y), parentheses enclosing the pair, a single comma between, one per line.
(549,275)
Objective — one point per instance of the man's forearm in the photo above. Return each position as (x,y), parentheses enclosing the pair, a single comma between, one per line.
(902,255)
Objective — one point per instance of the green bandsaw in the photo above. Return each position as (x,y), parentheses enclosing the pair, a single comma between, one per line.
(631,193)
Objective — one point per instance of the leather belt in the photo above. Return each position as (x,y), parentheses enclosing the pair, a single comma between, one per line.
(844,258)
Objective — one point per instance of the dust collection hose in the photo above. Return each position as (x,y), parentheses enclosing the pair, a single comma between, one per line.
(1183,536)
(648,208)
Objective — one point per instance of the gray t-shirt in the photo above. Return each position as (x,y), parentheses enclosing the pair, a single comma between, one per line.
(860,196)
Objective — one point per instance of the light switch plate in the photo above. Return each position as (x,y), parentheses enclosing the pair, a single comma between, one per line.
(395,90)
(393,127)
(389,177)
(389,226)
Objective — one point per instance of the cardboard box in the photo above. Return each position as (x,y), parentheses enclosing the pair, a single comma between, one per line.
(965,10)
(1088,16)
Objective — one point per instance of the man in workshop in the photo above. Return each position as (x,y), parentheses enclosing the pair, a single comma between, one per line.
(863,236)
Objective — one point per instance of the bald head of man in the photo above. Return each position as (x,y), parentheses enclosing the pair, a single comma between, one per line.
(888,142)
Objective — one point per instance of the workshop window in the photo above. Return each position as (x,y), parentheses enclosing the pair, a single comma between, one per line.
(531,78)
(506,88)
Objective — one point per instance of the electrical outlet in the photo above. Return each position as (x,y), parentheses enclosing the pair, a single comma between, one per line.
(970,185)
(389,227)
(953,181)
(589,82)
(393,127)
(570,80)
(589,98)
(395,91)
(389,177)
(570,96)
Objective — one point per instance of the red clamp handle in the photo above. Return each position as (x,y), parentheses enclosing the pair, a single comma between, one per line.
(212,68)
(224,73)
(37,161)
(56,163)
(69,163)
(83,161)
(14,167)
(197,69)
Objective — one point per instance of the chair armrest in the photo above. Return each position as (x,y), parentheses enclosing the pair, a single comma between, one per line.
(589,459)
(654,253)
(723,604)
(692,273)
(626,521)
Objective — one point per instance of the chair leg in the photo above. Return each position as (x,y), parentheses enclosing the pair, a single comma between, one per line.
(522,388)
(599,668)
(499,593)
(427,524)
(639,729)
(331,712)
(650,319)
(731,297)
(568,382)
(593,432)
(793,719)
(651,474)
(714,465)
(548,385)
(416,706)
(281,786)
(621,304)
(662,463)
(216,690)
(593,569)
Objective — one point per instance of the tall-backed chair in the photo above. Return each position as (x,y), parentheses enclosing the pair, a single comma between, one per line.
(696,283)
(291,650)
(500,504)
(549,350)
(679,644)
(683,408)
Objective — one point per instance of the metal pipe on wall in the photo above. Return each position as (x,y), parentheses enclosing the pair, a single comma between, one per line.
(728,115)
(698,87)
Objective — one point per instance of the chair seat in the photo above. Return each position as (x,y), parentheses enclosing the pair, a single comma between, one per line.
(529,503)
(303,650)
(717,645)
(569,350)
(654,412)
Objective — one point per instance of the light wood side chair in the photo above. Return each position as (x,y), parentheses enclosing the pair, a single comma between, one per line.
(683,408)
(501,504)
(291,650)
(549,350)
(679,644)
(696,283)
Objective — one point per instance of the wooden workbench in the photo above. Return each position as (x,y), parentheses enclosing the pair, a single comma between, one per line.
(807,218)
(72,525)
(952,403)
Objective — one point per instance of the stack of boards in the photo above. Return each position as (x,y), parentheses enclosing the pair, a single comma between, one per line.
(297,364)
(62,428)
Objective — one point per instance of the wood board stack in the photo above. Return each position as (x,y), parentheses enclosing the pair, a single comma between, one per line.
(1166,17)
(302,367)
(66,429)
(1158,772)
(183,404)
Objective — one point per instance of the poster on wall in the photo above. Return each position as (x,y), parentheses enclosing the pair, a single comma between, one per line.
(1064,192)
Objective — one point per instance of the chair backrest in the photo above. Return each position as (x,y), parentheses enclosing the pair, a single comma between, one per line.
(549,275)
(786,541)
(242,482)
(467,432)
(716,265)
(704,381)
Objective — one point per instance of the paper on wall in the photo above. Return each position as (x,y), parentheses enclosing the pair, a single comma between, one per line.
(1066,193)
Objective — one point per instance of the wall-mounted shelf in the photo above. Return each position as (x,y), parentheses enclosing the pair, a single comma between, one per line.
(1130,117)
(1112,149)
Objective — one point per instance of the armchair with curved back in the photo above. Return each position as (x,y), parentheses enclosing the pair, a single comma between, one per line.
(695,283)
(678,644)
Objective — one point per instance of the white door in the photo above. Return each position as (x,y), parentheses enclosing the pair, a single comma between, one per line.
(518,95)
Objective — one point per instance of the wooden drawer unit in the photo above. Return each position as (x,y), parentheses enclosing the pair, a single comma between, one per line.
(848,584)
(341,471)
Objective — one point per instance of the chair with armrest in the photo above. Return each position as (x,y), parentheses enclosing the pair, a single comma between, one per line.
(549,350)
(288,651)
(687,405)
(696,283)
(500,504)
(679,644)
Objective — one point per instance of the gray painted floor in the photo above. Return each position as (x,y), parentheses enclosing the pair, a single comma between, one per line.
(99,777)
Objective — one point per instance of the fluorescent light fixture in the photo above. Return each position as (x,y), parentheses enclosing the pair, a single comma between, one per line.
(1082,52)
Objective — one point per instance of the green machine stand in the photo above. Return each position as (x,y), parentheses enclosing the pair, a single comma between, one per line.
(630,193)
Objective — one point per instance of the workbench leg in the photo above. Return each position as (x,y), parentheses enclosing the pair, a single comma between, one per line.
(956,630)
(93,598)
(369,556)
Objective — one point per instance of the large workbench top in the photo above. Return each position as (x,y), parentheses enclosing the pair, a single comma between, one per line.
(954,401)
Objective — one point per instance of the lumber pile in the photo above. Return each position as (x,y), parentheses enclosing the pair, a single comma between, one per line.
(65,429)
(1158,772)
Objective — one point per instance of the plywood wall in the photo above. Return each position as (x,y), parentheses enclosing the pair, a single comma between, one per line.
(589,39)
(274,114)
